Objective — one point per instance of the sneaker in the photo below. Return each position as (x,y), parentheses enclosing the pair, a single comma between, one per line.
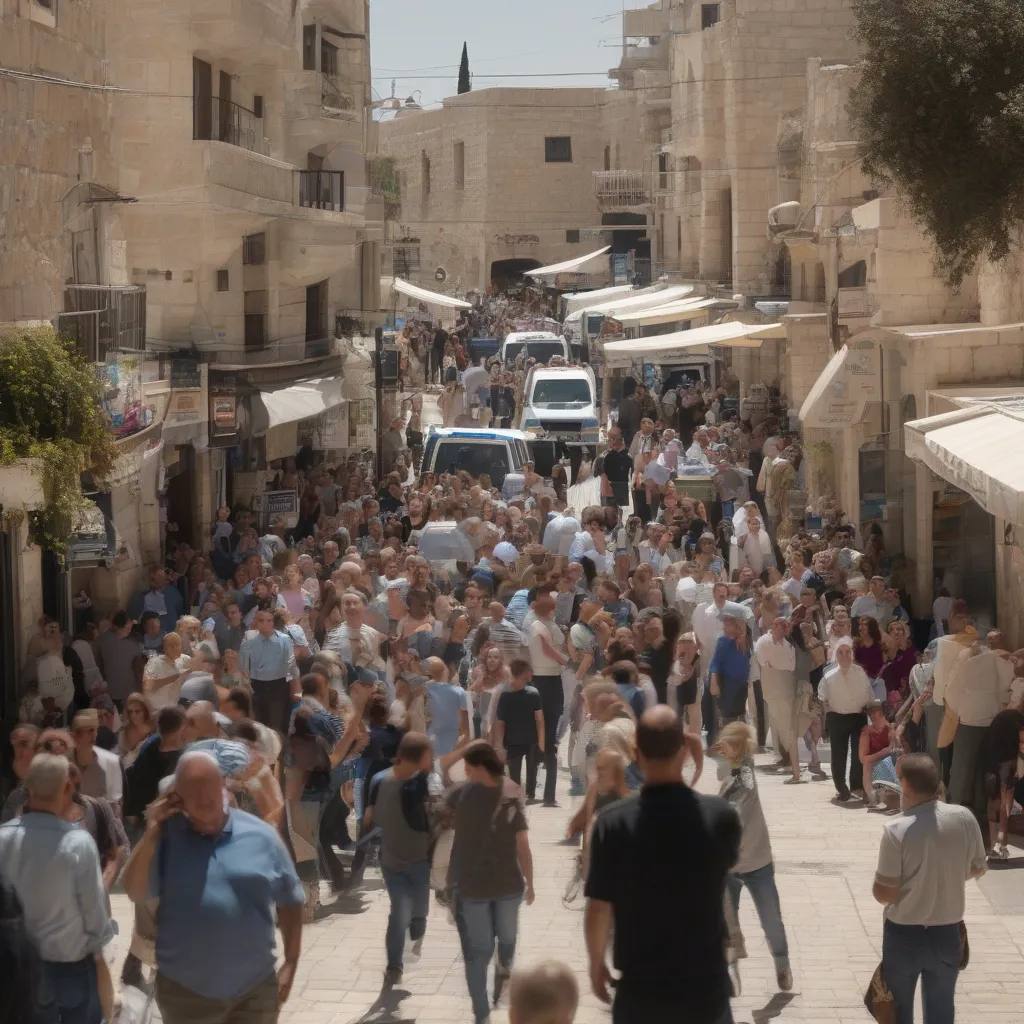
(859,794)
(843,797)
(414,951)
(999,852)
(550,803)
(392,976)
(785,979)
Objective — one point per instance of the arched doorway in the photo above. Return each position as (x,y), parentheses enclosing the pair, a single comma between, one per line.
(511,271)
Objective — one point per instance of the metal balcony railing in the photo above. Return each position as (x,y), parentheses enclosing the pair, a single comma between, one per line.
(104,318)
(624,189)
(219,120)
(333,96)
(322,190)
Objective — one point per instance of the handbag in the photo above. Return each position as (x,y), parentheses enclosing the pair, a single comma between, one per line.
(878,999)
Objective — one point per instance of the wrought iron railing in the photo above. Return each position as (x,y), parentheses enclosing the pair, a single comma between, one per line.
(322,190)
(104,318)
(220,120)
(333,96)
(624,188)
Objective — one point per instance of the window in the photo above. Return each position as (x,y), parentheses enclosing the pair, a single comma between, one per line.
(459,164)
(255,320)
(562,392)
(254,250)
(328,58)
(257,106)
(223,281)
(490,458)
(47,5)
(425,172)
(709,15)
(679,235)
(202,99)
(309,47)
(607,158)
(558,149)
(572,236)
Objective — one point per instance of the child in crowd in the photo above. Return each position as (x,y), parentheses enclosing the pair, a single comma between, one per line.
(544,994)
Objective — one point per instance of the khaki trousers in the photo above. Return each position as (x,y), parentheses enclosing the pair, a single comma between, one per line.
(179,1005)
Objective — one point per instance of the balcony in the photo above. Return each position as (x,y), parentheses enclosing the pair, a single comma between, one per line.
(336,100)
(256,351)
(322,190)
(322,108)
(645,22)
(624,190)
(101,319)
(220,120)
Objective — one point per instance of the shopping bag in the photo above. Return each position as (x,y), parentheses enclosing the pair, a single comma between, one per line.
(878,999)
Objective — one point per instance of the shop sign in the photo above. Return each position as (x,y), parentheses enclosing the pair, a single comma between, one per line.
(620,268)
(271,505)
(185,374)
(185,408)
(224,414)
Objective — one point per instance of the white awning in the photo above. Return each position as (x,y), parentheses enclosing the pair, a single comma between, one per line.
(580,300)
(414,291)
(667,314)
(634,303)
(568,266)
(664,346)
(978,449)
(839,395)
(298,402)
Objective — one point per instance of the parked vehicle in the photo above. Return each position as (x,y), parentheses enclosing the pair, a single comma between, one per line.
(499,453)
(561,402)
(539,345)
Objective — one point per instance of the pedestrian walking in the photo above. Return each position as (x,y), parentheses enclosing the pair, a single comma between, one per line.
(221,876)
(519,727)
(53,866)
(847,691)
(755,866)
(547,657)
(656,862)
(491,871)
(925,858)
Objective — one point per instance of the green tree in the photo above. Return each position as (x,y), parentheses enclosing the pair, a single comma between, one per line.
(50,410)
(939,112)
(464,82)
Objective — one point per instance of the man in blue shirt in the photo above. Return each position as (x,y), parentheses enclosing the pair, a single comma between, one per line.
(268,659)
(219,874)
(162,597)
(54,867)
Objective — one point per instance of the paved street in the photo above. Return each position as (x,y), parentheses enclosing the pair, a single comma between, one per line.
(825,861)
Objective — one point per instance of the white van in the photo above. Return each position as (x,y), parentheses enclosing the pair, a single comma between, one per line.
(499,453)
(561,401)
(539,345)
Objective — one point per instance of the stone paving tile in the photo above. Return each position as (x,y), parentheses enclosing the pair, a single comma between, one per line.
(825,856)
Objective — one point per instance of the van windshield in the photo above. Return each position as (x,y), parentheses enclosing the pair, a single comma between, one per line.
(562,393)
(476,457)
(542,351)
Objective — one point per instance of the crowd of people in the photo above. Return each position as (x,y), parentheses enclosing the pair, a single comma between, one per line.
(298,690)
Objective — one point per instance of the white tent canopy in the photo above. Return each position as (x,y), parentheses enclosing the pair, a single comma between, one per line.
(568,266)
(666,314)
(298,402)
(430,298)
(665,346)
(580,300)
(635,302)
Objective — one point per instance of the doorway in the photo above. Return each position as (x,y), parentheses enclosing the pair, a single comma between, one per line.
(508,272)
(180,496)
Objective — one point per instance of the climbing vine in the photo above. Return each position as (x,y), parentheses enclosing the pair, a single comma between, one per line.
(50,411)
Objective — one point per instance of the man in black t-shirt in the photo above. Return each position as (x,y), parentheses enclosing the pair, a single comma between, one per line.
(658,867)
(519,726)
(617,468)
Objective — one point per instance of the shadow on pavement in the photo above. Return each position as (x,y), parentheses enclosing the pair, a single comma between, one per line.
(385,1007)
(774,1007)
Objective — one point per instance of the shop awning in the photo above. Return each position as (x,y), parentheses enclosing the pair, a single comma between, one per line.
(848,382)
(568,266)
(664,346)
(580,300)
(298,402)
(414,291)
(666,314)
(978,449)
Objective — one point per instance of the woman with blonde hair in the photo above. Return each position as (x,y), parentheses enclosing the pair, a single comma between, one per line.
(138,727)
(755,867)
(187,627)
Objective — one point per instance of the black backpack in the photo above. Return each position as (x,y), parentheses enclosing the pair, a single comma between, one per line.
(21,966)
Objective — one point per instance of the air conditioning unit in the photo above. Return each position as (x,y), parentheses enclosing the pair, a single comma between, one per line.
(440,275)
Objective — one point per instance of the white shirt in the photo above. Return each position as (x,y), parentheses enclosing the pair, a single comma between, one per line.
(756,552)
(978,687)
(158,669)
(941,607)
(560,533)
(846,692)
(707,624)
(778,667)
(689,591)
(929,852)
(866,604)
(792,587)
(540,662)
(110,764)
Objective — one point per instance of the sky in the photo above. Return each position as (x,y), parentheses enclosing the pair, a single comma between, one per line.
(419,43)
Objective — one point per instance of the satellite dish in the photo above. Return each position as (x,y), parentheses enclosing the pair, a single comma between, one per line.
(440,275)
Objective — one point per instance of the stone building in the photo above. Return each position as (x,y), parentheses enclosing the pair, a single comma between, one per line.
(184,190)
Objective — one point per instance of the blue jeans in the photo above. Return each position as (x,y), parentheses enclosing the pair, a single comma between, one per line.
(409,891)
(932,954)
(69,993)
(765,895)
(483,921)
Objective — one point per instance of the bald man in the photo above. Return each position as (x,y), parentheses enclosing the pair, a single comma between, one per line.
(449,709)
(212,965)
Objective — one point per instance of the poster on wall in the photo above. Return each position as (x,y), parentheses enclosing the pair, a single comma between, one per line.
(328,431)
(620,268)
(120,380)
(362,432)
